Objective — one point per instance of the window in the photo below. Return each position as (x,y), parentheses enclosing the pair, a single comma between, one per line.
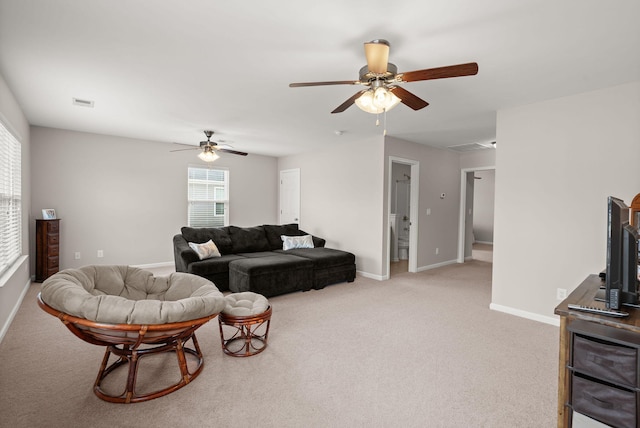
(10,199)
(208,197)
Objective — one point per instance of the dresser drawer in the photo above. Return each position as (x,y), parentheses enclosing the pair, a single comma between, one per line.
(53,250)
(607,404)
(53,239)
(607,361)
(53,227)
(52,262)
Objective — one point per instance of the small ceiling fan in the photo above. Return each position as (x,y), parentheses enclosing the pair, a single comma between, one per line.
(382,79)
(210,148)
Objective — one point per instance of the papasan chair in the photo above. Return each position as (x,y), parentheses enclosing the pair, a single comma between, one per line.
(133,314)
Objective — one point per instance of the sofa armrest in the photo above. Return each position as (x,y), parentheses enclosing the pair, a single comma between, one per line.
(183,254)
(318,242)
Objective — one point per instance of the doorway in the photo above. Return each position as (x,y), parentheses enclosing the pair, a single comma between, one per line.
(476,214)
(402,230)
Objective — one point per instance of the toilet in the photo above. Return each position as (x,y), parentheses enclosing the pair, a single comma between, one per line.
(403,247)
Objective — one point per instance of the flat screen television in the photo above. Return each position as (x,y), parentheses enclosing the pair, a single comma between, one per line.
(622,257)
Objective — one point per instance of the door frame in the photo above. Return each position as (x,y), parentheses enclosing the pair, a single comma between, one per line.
(414,201)
(463,207)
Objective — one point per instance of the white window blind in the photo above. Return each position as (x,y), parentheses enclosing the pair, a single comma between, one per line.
(10,199)
(208,197)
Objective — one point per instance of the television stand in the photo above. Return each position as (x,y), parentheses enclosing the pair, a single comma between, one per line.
(587,342)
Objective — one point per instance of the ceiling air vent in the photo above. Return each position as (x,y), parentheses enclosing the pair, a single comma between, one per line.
(82,103)
(472,146)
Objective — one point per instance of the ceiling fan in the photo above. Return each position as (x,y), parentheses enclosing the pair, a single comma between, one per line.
(382,79)
(210,148)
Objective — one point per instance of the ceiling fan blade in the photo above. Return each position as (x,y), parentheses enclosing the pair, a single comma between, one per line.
(408,98)
(345,105)
(182,150)
(459,70)
(335,82)
(377,53)
(234,152)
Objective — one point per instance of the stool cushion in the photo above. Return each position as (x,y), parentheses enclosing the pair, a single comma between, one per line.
(245,304)
(129,295)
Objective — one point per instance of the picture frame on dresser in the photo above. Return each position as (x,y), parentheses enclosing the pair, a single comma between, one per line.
(48,214)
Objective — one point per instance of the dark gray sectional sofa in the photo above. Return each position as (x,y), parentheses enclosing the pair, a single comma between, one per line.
(253,259)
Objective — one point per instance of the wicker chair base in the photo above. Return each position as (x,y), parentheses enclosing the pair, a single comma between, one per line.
(248,335)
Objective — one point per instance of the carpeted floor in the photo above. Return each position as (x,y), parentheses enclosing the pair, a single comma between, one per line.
(418,350)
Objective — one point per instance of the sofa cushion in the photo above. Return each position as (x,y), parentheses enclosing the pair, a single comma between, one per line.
(212,266)
(248,239)
(323,257)
(275,231)
(271,276)
(219,235)
(258,254)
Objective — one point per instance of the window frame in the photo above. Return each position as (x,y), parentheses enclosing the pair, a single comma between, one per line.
(215,189)
(11,207)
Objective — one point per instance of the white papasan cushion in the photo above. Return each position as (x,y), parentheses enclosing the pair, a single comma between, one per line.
(245,304)
(129,295)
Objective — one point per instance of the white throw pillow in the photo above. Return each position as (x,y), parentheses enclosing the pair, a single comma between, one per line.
(206,250)
(291,242)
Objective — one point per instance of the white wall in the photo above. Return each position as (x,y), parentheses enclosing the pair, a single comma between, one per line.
(557,161)
(439,173)
(341,198)
(128,197)
(15,282)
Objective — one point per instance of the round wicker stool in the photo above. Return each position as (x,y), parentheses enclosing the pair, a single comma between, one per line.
(244,324)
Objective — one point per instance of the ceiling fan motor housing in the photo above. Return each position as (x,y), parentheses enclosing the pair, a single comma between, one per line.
(368,76)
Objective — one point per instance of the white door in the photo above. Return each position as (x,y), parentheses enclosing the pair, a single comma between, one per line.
(290,196)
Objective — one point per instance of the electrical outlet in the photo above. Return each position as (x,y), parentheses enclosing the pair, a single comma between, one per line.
(437,251)
(561,293)
(100,253)
(77,255)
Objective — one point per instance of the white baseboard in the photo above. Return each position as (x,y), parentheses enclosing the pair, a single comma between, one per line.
(372,276)
(524,314)
(155,265)
(483,242)
(437,265)
(14,311)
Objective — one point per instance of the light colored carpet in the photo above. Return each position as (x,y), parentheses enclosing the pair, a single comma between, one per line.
(417,350)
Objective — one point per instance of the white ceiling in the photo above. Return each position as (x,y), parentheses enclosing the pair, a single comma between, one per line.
(165,70)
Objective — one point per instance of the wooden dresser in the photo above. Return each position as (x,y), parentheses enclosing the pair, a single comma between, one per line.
(47,248)
(599,362)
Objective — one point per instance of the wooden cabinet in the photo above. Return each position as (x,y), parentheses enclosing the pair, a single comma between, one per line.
(635,212)
(599,364)
(47,248)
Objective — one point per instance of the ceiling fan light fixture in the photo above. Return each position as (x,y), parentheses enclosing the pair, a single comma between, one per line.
(208,155)
(378,100)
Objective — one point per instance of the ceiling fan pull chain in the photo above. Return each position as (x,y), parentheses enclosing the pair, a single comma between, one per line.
(384,131)
(377,119)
